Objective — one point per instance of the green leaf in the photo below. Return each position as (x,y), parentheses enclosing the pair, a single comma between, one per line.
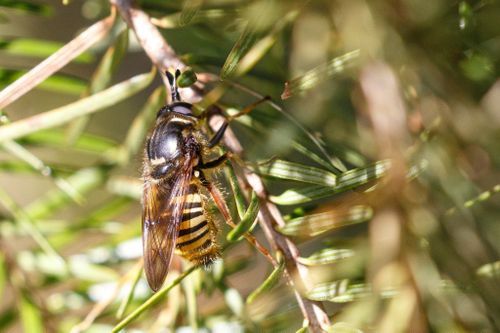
(37,48)
(239,198)
(56,139)
(342,328)
(316,158)
(341,291)
(130,294)
(152,300)
(490,270)
(3,275)
(134,141)
(189,10)
(56,83)
(82,181)
(31,317)
(246,40)
(346,181)
(268,284)
(100,80)
(79,108)
(316,224)
(109,64)
(27,6)
(327,256)
(319,74)
(298,172)
(247,220)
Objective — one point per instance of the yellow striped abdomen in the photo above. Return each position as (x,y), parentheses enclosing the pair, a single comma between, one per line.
(196,240)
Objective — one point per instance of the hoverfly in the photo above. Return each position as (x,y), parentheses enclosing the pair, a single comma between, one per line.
(174,214)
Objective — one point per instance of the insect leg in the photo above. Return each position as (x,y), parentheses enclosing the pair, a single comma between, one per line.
(215,163)
(218,135)
(220,132)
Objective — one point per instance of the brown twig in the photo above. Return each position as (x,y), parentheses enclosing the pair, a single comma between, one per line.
(56,61)
(163,56)
(269,217)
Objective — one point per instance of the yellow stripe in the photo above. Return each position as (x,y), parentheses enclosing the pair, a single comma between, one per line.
(190,198)
(193,234)
(192,222)
(193,210)
(194,246)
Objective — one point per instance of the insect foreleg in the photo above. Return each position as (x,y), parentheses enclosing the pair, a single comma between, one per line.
(215,163)
(220,132)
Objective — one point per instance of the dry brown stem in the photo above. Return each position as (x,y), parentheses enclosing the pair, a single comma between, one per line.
(56,61)
(163,56)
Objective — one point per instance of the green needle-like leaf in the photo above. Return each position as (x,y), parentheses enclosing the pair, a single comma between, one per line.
(319,74)
(37,48)
(31,317)
(346,181)
(298,172)
(338,291)
(327,256)
(316,224)
(152,300)
(77,109)
(269,283)
(247,220)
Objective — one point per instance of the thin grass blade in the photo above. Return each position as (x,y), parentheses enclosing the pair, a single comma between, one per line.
(247,221)
(271,281)
(298,172)
(79,108)
(152,300)
(321,73)
(316,224)
(56,61)
(33,47)
(327,256)
(341,291)
(346,181)
(101,79)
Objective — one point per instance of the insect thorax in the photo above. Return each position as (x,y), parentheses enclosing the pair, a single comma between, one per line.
(172,139)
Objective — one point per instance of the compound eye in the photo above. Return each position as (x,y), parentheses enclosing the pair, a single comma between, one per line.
(183,109)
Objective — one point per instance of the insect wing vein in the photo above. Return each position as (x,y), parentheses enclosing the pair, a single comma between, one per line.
(162,215)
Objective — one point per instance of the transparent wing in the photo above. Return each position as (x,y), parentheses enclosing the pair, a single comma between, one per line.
(162,213)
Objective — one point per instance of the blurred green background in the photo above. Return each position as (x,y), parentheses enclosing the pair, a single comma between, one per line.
(380,149)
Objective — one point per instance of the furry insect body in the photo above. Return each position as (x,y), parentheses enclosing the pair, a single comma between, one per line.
(175,214)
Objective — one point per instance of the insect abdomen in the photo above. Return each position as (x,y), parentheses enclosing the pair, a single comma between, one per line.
(196,240)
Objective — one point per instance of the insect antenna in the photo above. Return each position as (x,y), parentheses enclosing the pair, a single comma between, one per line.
(172,80)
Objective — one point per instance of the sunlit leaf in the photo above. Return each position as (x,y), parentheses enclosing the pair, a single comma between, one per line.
(239,198)
(489,270)
(27,6)
(260,19)
(327,256)
(246,221)
(55,138)
(319,74)
(79,108)
(343,328)
(269,283)
(298,172)
(346,181)
(37,48)
(341,291)
(31,317)
(316,224)
(152,300)
(134,141)
(189,10)
(55,83)
(101,79)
